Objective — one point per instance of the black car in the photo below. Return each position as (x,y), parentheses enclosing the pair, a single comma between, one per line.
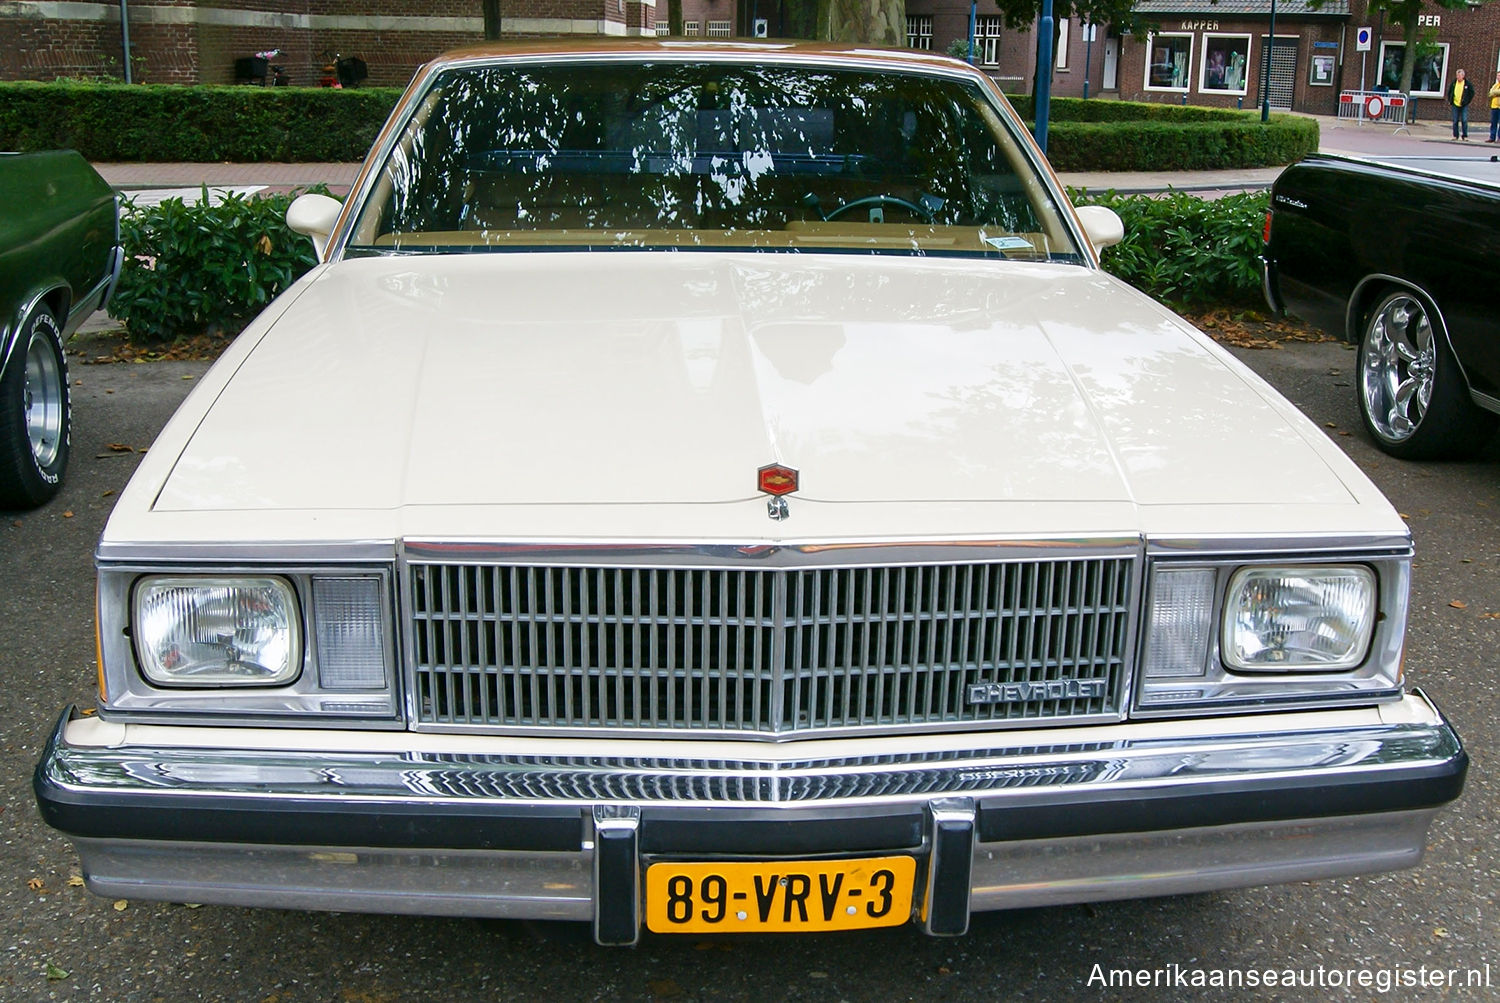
(1400,257)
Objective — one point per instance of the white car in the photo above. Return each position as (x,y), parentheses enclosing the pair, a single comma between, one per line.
(714,488)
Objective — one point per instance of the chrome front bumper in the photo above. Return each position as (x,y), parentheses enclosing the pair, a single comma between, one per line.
(543,830)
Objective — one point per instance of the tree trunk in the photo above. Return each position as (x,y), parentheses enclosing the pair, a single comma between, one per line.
(872,22)
(674,17)
(491,19)
(1409,56)
(1408,62)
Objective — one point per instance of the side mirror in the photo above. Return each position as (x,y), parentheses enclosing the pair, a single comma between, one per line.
(313,216)
(1101,224)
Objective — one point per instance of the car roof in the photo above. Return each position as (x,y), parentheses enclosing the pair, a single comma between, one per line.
(759,49)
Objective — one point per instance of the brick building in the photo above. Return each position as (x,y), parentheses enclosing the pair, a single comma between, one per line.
(1209,52)
(198,41)
(1212,52)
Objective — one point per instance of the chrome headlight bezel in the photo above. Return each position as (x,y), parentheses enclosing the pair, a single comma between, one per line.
(369,697)
(1197,676)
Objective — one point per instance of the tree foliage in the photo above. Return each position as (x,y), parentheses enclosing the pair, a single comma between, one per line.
(1406,13)
(1022,15)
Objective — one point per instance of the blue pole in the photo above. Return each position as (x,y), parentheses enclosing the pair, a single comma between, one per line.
(973,24)
(1043,74)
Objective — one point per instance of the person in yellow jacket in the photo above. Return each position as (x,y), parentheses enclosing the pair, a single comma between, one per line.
(1494,107)
(1459,96)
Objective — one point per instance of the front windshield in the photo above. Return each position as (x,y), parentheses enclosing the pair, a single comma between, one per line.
(708,155)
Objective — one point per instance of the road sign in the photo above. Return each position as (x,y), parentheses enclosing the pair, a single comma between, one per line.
(1362,40)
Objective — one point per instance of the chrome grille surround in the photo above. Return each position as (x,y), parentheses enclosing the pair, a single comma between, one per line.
(768,643)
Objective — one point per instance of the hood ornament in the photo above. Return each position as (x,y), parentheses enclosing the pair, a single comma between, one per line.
(778,481)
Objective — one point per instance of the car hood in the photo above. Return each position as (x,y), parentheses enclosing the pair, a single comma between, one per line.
(654,378)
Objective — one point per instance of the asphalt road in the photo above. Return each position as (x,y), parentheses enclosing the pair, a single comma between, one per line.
(1442,915)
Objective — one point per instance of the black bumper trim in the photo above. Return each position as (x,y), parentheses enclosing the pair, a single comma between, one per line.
(1059,817)
(900,828)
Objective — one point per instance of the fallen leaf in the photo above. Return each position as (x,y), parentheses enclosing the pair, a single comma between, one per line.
(68,514)
(36,884)
(1459,604)
(188,377)
(944,970)
(1489,616)
(264,244)
(75,881)
(55,974)
(141,450)
(88,712)
(1440,932)
(121,905)
(1330,424)
(119,447)
(108,493)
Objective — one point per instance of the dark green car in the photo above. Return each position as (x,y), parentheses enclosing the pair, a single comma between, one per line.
(59,259)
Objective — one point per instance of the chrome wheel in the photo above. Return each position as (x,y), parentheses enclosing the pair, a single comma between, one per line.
(43,399)
(1398,366)
(34,415)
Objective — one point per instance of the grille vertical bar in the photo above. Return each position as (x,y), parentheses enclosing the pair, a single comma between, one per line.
(765,651)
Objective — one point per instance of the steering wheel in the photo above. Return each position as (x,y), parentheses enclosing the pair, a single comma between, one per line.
(922,212)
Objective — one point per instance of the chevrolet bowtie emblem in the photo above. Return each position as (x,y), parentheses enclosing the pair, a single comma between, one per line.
(776,479)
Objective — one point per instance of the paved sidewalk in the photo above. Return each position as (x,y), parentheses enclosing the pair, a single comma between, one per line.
(1341,136)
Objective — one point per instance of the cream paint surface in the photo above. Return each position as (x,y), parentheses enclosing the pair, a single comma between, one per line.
(644,378)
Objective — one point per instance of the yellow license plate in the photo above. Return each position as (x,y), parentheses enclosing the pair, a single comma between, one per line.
(784,896)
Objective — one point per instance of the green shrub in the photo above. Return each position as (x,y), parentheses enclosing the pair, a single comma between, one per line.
(1105,110)
(1187,251)
(1104,135)
(191,269)
(161,122)
(1184,146)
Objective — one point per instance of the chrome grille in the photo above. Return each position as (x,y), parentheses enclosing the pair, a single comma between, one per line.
(764,651)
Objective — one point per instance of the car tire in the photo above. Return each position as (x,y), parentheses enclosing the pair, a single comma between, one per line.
(35,415)
(1412,395)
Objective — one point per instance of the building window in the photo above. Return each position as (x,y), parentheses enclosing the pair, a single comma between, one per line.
(663,28)
(690,27)
(720,29)
(1167,60)
(987,40)
(919,31)
(1062,43)
(1428,75)
(1226,59)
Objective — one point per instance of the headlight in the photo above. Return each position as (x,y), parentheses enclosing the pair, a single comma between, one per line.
(1298,619)
(1223,634)
(206,632)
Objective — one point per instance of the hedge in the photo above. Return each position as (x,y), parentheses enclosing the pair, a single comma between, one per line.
(1187,146)
(162,122)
